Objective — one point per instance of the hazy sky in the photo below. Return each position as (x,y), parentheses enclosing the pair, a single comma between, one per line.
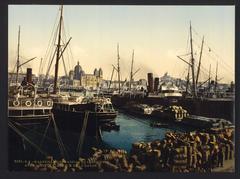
(157,34)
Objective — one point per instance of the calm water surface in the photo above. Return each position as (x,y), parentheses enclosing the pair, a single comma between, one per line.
(132,129)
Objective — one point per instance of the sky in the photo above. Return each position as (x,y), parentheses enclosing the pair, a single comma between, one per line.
(158,34)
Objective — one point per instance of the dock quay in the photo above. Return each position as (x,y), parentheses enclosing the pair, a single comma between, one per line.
(176,115)
(220,108)
(177,152)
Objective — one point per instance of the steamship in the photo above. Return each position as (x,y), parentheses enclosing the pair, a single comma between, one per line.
(71,111)
(25,106)
(208,105)
(74,113)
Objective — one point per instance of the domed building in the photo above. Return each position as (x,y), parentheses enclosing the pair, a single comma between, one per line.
(86,80)
(77,72)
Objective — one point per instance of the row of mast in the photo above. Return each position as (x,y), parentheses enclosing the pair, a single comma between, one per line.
(59,53)
(192,67)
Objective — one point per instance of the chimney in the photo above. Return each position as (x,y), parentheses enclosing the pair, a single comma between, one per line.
(29,75)
(156,84)
(150,82)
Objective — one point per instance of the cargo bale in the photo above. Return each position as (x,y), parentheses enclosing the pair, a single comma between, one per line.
(140,168)
(157,153)
(108,166)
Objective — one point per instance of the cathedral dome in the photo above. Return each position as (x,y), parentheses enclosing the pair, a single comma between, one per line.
(78,67)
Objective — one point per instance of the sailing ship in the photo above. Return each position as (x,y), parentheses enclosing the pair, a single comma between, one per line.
(71,112)
(25,106)
(192,99)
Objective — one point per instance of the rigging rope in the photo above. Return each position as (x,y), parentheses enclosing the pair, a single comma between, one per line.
(82,133)
(209,49)
(51,41)
(45,133)
(211,58)
(11,75)
(10,124)
(35,132)
(59,140)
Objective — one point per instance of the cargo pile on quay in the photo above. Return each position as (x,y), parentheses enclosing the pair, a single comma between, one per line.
(177,152)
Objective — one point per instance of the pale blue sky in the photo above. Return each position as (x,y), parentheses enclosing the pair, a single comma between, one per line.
(157,34)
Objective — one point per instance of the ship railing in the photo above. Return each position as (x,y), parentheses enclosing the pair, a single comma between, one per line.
(217,94)
(32,104)
(29,102)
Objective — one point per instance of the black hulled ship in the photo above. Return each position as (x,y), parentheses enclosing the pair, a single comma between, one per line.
(70,113)
(209,103)
(74,113)
(25,106)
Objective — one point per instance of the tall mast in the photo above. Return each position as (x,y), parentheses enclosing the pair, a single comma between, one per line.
(187,79)
(58,52)
(199,64)
(131,73)
(209,77)
(18,61)
(216,78)
(111,78)
(192,65)
(118,68)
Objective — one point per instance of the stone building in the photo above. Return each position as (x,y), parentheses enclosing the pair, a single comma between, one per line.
(78,77)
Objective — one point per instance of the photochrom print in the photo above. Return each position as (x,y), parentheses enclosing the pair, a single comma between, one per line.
(121,88)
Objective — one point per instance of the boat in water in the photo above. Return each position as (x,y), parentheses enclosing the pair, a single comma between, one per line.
(220,104)
(71,112)
(171,113)
(200,122)
(25,106)
(142,110)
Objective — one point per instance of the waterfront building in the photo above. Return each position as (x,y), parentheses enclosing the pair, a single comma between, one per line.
(78,77)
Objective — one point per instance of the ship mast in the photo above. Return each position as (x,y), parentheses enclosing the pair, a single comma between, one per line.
(131,73)
(58,53)
(192,65)
(18,61)
(199,64)
(118,68)
(187,84)
(216,79)
(209,78)
(111,78)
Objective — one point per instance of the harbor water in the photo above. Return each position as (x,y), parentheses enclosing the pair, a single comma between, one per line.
(132,129)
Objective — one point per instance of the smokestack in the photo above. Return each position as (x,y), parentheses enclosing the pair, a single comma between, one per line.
(29,75)
(156,84)
(150,82)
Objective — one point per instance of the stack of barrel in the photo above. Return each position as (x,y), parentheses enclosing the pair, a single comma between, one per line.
(180,159)
(177,112)
(177,152)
